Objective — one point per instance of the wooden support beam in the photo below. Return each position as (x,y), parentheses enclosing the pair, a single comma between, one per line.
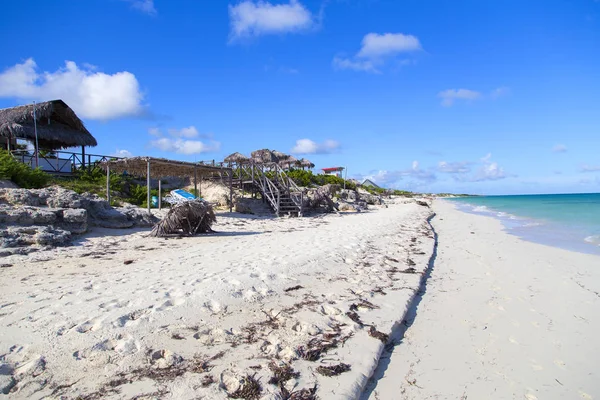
(230,190)
(108,183)
(159,194)
(83,157)
(148,186)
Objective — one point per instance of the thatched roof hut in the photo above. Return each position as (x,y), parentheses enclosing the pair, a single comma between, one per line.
(304,163)
(288,162)
(160,167)
(58,127)
(236,158)
(264,156)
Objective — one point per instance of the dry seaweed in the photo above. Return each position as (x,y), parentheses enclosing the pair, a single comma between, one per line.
(207,380)
(378,335)
(354,317)
(290,289)
(250,389)
(333,370)
(302,394)
(363,304)
(282,373)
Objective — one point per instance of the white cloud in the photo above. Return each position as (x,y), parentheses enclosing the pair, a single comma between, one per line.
(499,92)
(190,132)
(93,95)
(250,18)
(451,95)
(145,6)
(155,131)
(559,148)
(375,49)
(461,167)
(181,146)
(358,65)
(307,146)
(179,141)
(122,153)
(487,170)
(375,45)
(416,176)
(590,168)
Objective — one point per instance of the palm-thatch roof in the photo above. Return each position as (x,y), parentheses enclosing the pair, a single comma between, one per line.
(58,126)
(160,167)
(188,218)
(288,162)
(264,156)
(236,158)
(304,163)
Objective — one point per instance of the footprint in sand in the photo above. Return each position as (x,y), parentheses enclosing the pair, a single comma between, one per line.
(90,325)
(214,307)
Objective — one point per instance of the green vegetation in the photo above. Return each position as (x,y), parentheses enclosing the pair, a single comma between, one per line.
(307,178)
(21,174)
(93,180)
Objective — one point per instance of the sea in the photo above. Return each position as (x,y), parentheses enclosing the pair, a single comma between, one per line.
(569,221)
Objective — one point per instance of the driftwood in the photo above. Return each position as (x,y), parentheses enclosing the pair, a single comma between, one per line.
(322,196)
(187,218)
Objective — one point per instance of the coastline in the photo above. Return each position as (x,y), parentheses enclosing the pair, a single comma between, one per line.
(536,227)
(125,314)
(501,317)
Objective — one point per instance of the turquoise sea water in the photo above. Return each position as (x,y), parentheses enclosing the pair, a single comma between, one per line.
(570,221)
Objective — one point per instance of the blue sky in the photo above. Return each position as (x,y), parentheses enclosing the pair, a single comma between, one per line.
(488,97)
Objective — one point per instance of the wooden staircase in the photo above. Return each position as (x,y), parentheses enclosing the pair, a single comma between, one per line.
(276,188)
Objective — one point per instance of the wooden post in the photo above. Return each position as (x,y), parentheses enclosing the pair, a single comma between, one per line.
(108,182)
(230,190)
(148,185)
(159,195)
(83,157)
(195,182)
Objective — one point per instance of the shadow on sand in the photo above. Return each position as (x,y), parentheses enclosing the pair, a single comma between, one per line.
(400,329)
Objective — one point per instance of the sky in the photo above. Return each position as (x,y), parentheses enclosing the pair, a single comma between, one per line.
(482,97)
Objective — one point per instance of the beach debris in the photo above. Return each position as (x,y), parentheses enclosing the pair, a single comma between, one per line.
(333,370)
(302,394)
(290,289)
(282,372)
(322,197)
(248,388)
(127,262)
(187,218)
(363,304)
(354,317)
(5,265)
(422,203)
(373,332)
(207,380)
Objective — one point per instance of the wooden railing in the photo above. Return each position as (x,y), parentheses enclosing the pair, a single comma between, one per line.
(60,162)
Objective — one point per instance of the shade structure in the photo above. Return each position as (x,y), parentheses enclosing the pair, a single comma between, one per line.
(58,127)
(304,163)
(236,158)
(161,167)
(288,162)
(264,156)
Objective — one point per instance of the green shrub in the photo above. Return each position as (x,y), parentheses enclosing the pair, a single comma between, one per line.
(21,174)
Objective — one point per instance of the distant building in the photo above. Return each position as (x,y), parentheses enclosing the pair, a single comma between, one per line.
(370,183)
(336,171)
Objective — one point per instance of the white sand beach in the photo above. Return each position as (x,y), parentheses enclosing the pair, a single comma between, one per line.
(500,318)
(122,315)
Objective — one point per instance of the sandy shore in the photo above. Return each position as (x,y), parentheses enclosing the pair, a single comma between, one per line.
(500,318)
(269,303)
